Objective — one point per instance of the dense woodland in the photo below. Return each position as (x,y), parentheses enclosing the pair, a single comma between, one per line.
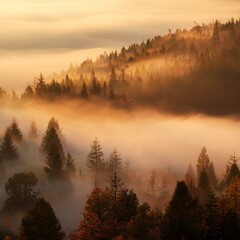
(199,205)
(187,71)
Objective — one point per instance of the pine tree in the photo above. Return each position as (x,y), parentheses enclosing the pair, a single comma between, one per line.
(51,140)
(15,132)
(113,78)
(54,163)
(95,161)
(33,131)
(213,181)
(180,220)
(114,162)
(8,151)
(40,222)
(93,87)
(28,93)
(41,87)
(190,180)
(84,92)
(153,187)
(70,168)
(203,163)
(212,217)
(232,169)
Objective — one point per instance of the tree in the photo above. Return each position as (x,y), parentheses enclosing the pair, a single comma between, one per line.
(213,181)
(95,161)
(232,169)
(40,222)
(8,151)
(28,93)
(33,131)
(180,220)
(15,132)
(114,162)
(70,168)
(212,217)
(20,189)
(41,87)
(153,187)
(203,163)
(51,140)
(113,78)
(54,163)
(93,86)
(190,180)
(84,92)
(215,35)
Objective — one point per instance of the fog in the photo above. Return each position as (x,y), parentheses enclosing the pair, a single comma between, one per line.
(145,138)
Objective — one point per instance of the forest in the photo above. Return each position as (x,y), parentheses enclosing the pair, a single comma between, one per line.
(169,73)
(56,185)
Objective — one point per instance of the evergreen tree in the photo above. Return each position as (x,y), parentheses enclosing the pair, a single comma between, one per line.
(15,132)
(54,163)
(153,188)
(51,140)
(95,161)
(114,162)
(70,168)
(190,180)
(94,87)
(20,190)
(181,219)
(212,217)
(8,151)
(232,169)
(213,181)
(84,92)
(40,222)
(41,87)
(33,131)
(28,93)
(113,78)
(203,163)
(203,189)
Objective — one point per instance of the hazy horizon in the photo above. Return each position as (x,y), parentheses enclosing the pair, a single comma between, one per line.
(46,36)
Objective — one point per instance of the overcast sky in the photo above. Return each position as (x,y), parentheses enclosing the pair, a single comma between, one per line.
(55,32)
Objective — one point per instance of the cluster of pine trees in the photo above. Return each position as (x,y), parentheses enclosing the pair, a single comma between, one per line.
(202,206)
(170,73)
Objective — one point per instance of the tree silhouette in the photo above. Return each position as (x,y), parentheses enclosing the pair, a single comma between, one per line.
(95,161)
(8,151)
(33,134)
(15,132)
(40,222)
(20,190)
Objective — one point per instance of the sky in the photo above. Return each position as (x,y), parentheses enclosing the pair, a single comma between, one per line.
(47,35)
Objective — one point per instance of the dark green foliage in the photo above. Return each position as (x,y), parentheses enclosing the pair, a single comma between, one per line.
(20,190)
(181,219)
(40,223)
(8,151)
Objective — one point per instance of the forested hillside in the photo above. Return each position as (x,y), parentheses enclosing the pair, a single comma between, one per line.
(185,71)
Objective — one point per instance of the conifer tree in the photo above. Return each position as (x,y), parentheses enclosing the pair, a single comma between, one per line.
(15,132)
(180,220)
(33,131)
(54,163)
(190,180)
(28,93)
(8,151)
(40,222)
(41,87)
(84,92)
(232,169)
(95,161)
(153,187)
(70,168)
